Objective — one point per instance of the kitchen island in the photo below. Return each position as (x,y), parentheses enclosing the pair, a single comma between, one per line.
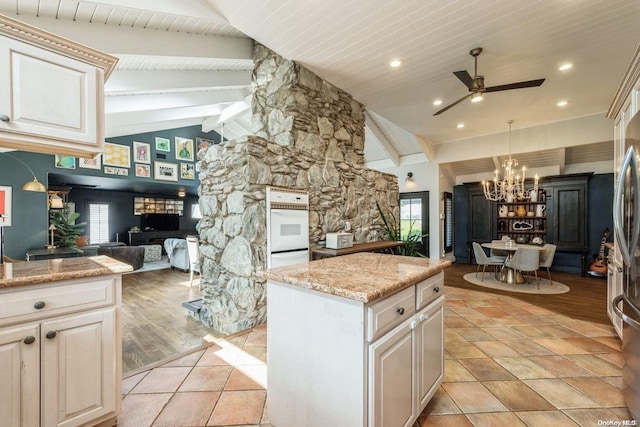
(355,340)
(60,341)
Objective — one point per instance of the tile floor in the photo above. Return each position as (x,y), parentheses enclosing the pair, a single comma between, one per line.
(507,363)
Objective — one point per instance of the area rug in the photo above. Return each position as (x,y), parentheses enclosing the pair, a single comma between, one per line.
(525,288)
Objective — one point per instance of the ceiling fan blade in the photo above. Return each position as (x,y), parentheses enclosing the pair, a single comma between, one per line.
(453,105)
(519,85)
(465,78)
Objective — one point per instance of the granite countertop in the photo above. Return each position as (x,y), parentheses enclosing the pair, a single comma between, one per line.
(32,272)
(362,277)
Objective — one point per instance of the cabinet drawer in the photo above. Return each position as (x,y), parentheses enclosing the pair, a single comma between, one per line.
(19,306)
(386,314)
(429,289)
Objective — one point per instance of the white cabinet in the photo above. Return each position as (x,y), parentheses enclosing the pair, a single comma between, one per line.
(614,288)
(62,366)
(51,92)
(406,366)
(346,363)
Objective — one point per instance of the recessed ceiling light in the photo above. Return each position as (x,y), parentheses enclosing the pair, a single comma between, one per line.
(395,63)
(437,102)
(460,125)
(562,103)
(565,67)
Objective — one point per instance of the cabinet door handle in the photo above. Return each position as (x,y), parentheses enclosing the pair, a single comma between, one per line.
(400,311)
(38,305)
(30,339)
(423,317)
(413,325)
(5,118)
(436,289)
(51,335)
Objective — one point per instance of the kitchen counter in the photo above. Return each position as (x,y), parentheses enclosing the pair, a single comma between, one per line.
(33,272)
(370,326)
(363,277)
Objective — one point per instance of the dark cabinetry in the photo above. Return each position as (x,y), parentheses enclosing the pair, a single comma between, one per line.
(522,221)
(560,219)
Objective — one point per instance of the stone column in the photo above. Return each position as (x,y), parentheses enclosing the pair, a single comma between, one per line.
(309,135)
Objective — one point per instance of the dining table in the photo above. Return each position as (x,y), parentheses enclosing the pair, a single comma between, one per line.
(507,274)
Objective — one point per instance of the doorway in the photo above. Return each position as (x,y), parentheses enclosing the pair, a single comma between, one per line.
(414,218)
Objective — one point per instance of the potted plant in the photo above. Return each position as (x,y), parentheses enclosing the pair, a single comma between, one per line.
(66,230)
(412,239)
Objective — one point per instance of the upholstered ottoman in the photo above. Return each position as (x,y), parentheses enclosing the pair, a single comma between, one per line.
(152,253)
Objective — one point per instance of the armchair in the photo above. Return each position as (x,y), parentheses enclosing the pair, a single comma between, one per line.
(177,253)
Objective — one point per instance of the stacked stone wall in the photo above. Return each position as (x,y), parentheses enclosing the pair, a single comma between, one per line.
(309,136)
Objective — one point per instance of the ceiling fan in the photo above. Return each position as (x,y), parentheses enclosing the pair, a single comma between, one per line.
(476,84)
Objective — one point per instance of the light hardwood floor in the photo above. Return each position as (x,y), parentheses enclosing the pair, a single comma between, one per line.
(155,325)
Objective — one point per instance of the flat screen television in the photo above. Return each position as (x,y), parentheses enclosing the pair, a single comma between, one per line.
(160,222)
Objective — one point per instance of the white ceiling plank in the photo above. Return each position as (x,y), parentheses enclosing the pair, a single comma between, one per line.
(165,81)
(234,110)
(163,114)
(395,158)
(192,8)
(147,42)
(150,102)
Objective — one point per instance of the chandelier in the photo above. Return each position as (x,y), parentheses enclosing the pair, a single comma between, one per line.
(511,188)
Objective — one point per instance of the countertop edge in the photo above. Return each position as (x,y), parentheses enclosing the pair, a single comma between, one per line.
(45,271)
(311,283)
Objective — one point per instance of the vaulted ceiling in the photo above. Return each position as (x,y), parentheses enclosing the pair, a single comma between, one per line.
(189,62)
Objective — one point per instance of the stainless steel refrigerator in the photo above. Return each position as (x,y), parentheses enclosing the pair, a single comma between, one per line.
(626,220)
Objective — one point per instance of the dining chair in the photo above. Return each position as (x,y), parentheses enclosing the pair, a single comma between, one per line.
(497,253)
(525,260)
(193,250)
(546,258)
(483,260)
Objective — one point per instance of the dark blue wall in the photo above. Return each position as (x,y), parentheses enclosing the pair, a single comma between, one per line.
(599,217)
(121,217)
(29,210)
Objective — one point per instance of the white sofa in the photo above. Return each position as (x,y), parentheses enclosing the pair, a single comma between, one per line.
(176,250)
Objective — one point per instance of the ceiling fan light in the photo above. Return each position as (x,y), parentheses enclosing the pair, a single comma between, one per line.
(476,97)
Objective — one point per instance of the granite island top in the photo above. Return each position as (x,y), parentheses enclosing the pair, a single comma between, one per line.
(362,277)
(33,272)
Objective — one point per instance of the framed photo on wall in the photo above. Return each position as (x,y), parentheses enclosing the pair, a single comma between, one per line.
(65,162)
(5,205)
(141,152)
(163,171)
(143,171)
(163,144)
(184,149)
(116,155)
(187,171)
(95,163)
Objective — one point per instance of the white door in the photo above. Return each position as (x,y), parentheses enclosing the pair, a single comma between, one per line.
(20,376)
(391,402)
(429,351)
(78,364)
(289,230)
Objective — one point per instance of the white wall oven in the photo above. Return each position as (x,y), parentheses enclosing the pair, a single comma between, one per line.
(287,227)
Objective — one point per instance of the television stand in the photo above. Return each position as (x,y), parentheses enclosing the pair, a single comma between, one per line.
(157,237)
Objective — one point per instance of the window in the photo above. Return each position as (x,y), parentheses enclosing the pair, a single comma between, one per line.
(98,223)
(448,222)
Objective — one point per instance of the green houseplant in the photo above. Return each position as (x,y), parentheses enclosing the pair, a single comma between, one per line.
(66,230)
(412,239)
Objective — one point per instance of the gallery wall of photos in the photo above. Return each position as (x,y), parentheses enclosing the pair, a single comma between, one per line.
(166,156)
